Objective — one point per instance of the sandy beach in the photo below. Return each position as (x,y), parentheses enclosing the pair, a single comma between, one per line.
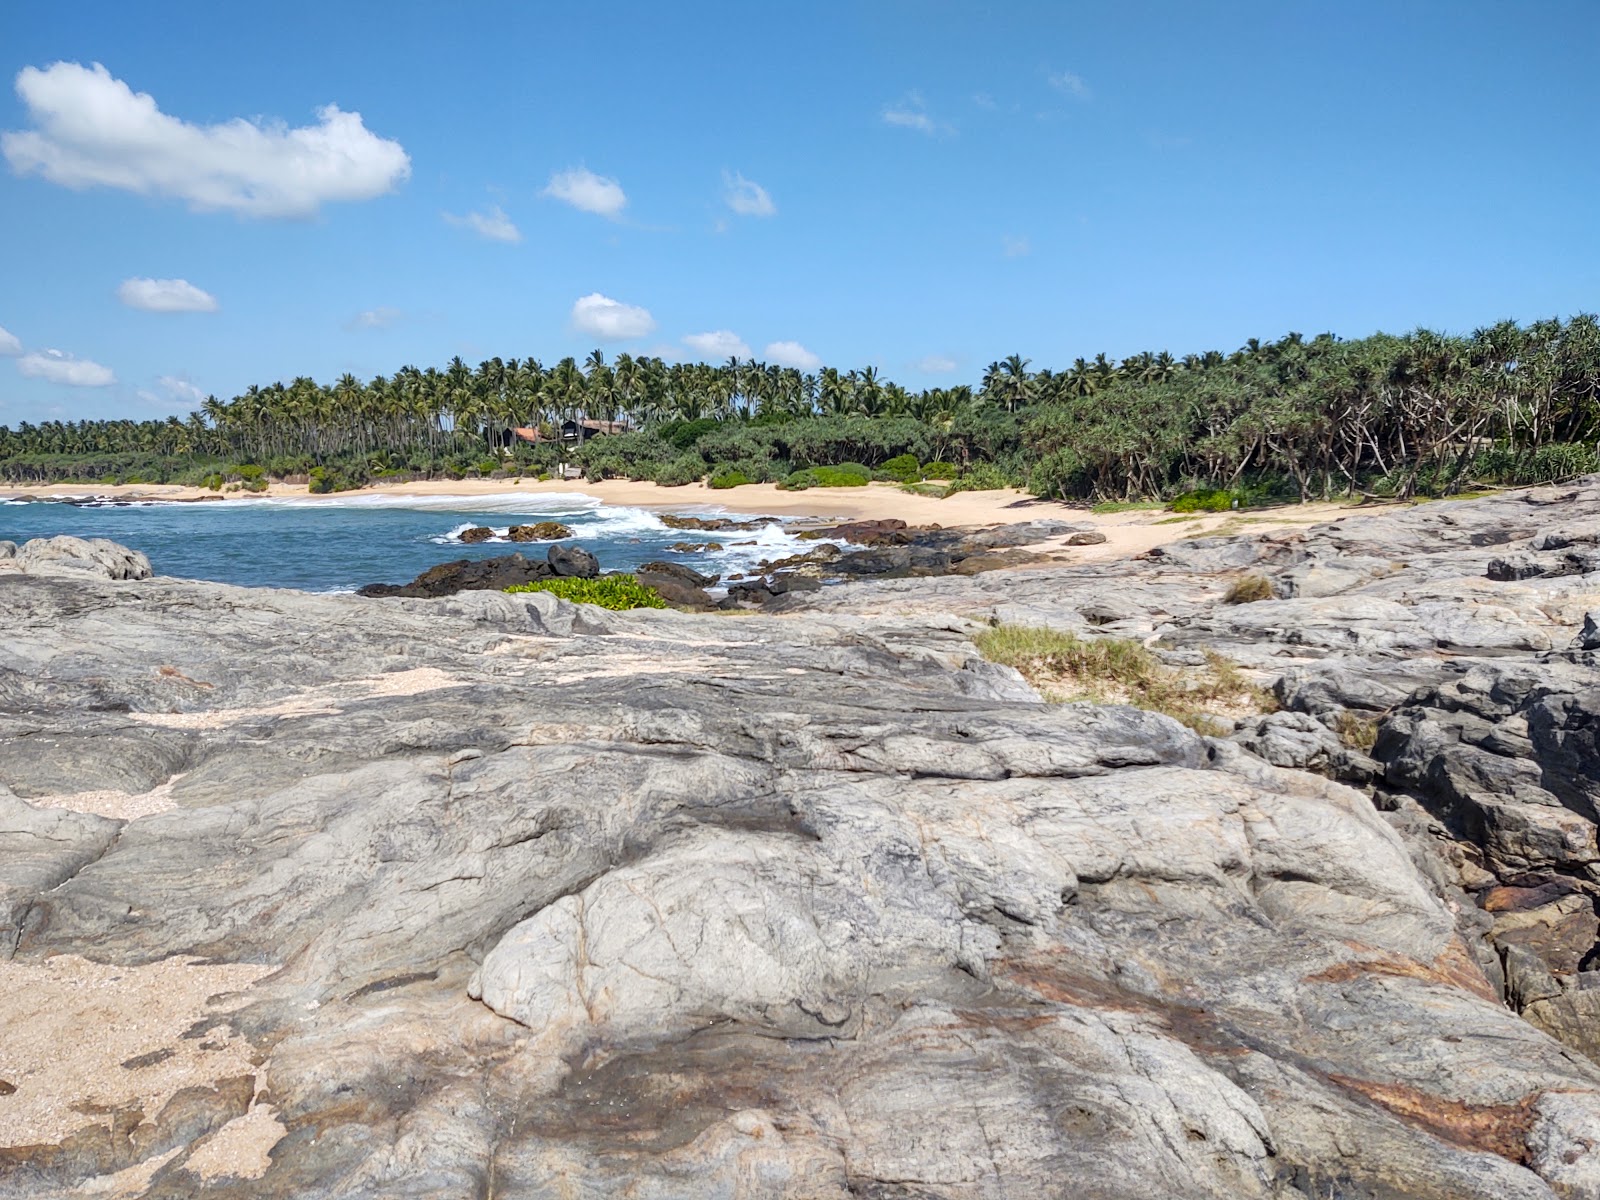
(1126,532)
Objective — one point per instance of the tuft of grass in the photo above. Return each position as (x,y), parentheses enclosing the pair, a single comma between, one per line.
(1122,506)
(1183,520)
(616,592)
(1247,589)
(1355,731)
(1066,668)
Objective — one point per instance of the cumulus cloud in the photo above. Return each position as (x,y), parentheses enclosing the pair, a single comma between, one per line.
(59,367)
(10,344)
(719,343)
(375,318)
(1070,83)
(791,354)
(583,189)
(610,320)
(912,113)
(93,130)
(165,296)
(494,224)
(934,364)
(746,197)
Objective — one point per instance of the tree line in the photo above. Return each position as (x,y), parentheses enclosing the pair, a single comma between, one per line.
(1395,414)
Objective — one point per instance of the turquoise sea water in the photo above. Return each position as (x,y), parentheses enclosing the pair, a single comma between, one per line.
(339,543)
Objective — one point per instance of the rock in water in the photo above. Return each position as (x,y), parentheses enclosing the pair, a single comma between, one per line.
(477,533)
(80,556)
(465,575)
(543,531)
(525,898)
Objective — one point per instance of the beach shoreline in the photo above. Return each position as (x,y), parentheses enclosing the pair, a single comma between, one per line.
(1126,533)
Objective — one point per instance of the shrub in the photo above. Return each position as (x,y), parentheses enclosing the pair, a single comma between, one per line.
(1247,589)
(981,477)
(1207,500)
(729,477)
(213,481)
(687,469)
(616,592)
(488,466)
(940,470)
(322,480)
(903,468)
(798,481)
(1065,667)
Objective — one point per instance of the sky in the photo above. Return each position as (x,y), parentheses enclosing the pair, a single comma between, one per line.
(198,197)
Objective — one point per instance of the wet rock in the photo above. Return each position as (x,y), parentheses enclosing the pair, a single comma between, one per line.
(465,575)
(710,524)
(694,547)
(680,572)
(676,590)
(887,532)
(542,531)
(477,533)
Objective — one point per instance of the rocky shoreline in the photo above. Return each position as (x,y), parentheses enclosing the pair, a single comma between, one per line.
(522,898)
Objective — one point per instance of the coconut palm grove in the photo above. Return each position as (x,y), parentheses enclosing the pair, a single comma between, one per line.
(1422,413)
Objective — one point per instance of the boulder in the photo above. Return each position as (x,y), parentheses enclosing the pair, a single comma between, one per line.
(1088,537)
(1589,635)
(79,556)
(465,575)
(709,524)
(676,591)
(681,573)
(573,561)
(8,550)
(694,547)
(543,531)
(887,532)
(477,533)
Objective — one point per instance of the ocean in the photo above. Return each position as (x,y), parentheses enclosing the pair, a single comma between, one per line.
(338,543)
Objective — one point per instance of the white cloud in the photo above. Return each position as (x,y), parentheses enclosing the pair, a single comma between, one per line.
(93,130)
(912,113)
(58,367)
(1071,84)
(494,224)
(746,197)
(1016,247)
(791,354)
(375,318)
(10,343)
(165,296)
(582,188)
(610,320)
(174,390)
(718,344)
(934,364)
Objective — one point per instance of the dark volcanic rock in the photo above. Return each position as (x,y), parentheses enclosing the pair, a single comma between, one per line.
(676,590)
(543,531)
(681,573)
(474,535)
(709,524)
(466,575)
(574,561)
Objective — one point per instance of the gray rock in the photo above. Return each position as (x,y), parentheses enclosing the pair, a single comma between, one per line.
(7,550)
(77,556)
(1589,636)
(662,904)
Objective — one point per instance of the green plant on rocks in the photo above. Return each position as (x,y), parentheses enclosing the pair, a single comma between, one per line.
(616,592)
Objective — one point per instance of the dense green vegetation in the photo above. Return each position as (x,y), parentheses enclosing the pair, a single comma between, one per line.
(1421,413)
(617,592)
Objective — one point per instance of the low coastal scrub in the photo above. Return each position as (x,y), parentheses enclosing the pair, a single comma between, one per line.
(1404,416)
(616,592)
(1247,589)
(1107,670)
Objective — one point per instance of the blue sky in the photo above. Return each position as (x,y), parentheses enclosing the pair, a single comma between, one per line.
(943,183)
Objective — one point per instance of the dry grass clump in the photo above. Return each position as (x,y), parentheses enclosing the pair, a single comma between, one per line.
(1247,589)
(1065,667)
(1355,731)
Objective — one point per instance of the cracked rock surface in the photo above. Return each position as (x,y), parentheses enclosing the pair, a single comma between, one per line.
(506,897)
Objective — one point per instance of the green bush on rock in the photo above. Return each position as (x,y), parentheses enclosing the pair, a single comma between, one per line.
(616,592)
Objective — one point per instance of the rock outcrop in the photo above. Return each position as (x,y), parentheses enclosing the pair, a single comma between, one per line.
(528,899)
